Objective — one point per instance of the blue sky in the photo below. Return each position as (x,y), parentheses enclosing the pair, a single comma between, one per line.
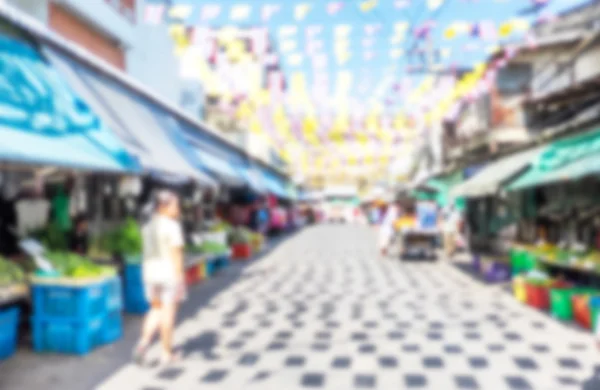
(371,73)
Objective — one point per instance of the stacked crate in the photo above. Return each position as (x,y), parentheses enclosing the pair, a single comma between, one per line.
(74,318)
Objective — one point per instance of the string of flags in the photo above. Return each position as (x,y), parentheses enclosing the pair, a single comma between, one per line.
(298,85)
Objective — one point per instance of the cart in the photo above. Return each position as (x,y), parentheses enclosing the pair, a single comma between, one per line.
(416,243)
(420,239)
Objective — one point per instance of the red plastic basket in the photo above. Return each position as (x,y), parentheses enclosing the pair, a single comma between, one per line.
(241,251)
(192,276)
(581,310)
(539,296)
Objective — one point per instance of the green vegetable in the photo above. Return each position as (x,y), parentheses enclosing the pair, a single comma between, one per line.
(52,237)
(240,235)
(126,240)
(72,265)
(208,247)
(221,227)
(10,272)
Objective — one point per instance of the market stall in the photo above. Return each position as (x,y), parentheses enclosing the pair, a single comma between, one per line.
(555,261)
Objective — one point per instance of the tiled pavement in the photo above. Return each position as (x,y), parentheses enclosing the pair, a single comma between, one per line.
(323,311)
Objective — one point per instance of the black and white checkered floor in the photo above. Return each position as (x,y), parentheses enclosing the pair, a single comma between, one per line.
(323,311)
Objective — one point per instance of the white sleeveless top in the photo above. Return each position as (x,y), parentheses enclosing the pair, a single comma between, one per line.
(160,235)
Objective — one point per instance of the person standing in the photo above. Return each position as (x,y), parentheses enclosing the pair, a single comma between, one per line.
(451,229)
(163,275)
(387,229)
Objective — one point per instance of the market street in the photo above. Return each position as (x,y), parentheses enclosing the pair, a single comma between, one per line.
(322,311)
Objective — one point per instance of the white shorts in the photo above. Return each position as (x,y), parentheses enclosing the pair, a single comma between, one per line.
(160,293)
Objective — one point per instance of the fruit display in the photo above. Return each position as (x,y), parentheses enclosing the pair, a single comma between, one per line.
(10,273)
(74,266)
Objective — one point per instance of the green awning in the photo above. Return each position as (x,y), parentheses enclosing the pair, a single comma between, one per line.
(565,160)
(576,170)
(490,179)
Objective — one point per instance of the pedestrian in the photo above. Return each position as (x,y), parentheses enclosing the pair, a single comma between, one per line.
(387,230)
(163,275)
(450,230)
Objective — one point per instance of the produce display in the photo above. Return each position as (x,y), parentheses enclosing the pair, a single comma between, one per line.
(71,265)
(52,237)
(221,226)
(10,273)
(208,247)
(126,240)
(580,259)
(240,235)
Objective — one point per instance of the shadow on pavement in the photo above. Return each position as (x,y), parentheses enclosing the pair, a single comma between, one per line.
(33,371)
(594,382)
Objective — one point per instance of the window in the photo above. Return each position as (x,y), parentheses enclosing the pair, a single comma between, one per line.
(514,79)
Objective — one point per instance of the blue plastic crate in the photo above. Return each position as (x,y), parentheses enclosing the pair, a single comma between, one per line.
(112,329)
(133,274)
(76,302)
(114,295)
(221,262)
(135,299)
(211,267)
(137,306)
(68,337)
(9,324)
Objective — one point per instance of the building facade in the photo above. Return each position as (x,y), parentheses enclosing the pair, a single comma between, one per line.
(114,31)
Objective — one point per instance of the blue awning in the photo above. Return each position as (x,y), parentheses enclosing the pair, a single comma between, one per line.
(225,165)
(275,186)
(42,121)
(255,179)
(147,131)
(221,168)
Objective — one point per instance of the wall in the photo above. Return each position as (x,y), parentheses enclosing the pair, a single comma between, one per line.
(36,8)
(75,29)
(109,18)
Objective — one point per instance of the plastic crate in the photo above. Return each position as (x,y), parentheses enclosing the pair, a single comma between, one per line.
(581,310)
(561,305)
(9,324)
(114,295)
(209,268)
(538,296)
(191,275)
(135,299)
(241,251)
(76,302)
(519,289)
(133,274)
(68,337)
(202,271)
(112,328)
(222,262)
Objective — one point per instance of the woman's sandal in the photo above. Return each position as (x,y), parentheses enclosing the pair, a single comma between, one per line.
(139,353)
(174,357)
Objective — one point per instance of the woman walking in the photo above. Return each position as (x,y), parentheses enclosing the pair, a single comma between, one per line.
(163,274)
(387,230)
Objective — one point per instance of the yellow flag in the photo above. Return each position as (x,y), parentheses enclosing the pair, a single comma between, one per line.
(506,29)
(450,32)
(255,126)
(368,5)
